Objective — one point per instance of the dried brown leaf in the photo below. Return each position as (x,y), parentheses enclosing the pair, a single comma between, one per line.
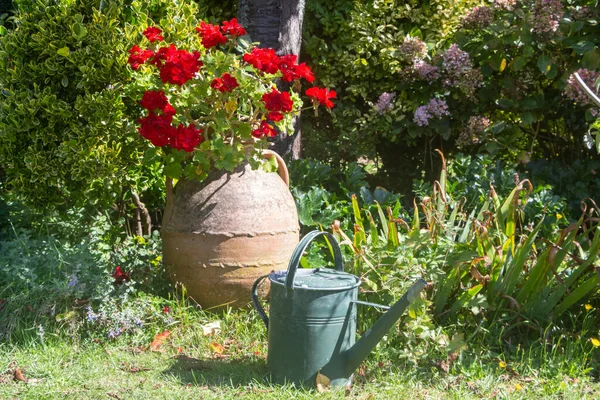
(323,382)
(159,339)
(217,348)
(18,375)
(130,368)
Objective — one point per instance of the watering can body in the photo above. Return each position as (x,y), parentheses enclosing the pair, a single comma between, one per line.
(312,322)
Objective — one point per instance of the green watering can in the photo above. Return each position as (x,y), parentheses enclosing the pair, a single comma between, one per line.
(312,327)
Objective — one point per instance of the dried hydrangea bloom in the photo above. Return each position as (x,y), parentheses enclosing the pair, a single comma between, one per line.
(385,102)
(426,72)
(459,72)
(507,5)
(580,13)
(573,91)
(478,18)
(412,49)
(471,134)
(546,18)
(436,108)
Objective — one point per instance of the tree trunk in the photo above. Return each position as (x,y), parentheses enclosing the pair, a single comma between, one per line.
(276,24)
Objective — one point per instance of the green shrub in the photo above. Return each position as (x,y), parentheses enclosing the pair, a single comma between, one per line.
(67,128)
(506,98)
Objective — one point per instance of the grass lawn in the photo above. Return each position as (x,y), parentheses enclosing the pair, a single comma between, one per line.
(231,363)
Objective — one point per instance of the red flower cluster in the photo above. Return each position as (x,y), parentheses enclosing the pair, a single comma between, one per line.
(157,127)
(153,100)
(153,34)
(186,137)
(225,83)
(232,28)
(264,130)
(277,102)
(322,95)
(268,61)
(212,35)
(265,60)
(176,66)
(120,276)
(292,71)
(138,56)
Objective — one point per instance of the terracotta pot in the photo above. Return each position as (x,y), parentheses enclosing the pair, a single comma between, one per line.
(220,235)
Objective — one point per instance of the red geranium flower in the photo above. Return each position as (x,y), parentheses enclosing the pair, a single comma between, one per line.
(138,56)
(156,99)
(265,60)
(303,71)
(232,28)
(225,83)
(264,130)
(120,276)
(278,101)
(176,66)
(211,35)
(322,95)
(275,116)
(156,128)
(186,138)
(153,34)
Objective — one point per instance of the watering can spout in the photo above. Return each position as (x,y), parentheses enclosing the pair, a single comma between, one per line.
(357,353)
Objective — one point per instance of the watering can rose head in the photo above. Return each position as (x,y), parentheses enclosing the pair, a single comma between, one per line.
(207,97)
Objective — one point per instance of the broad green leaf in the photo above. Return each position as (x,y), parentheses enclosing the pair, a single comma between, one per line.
(583,46)
(591,60)
(518,63)
(527,118)
(544,64)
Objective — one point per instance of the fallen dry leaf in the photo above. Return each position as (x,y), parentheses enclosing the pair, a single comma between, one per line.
(18,375)
(217,348)
(130,368)
(159,339)
(211,328)
(323,382)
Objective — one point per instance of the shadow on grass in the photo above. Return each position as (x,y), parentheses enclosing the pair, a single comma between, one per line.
(217,373)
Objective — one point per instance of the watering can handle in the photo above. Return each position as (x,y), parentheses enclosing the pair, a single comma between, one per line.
(299,250)
(256,303)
